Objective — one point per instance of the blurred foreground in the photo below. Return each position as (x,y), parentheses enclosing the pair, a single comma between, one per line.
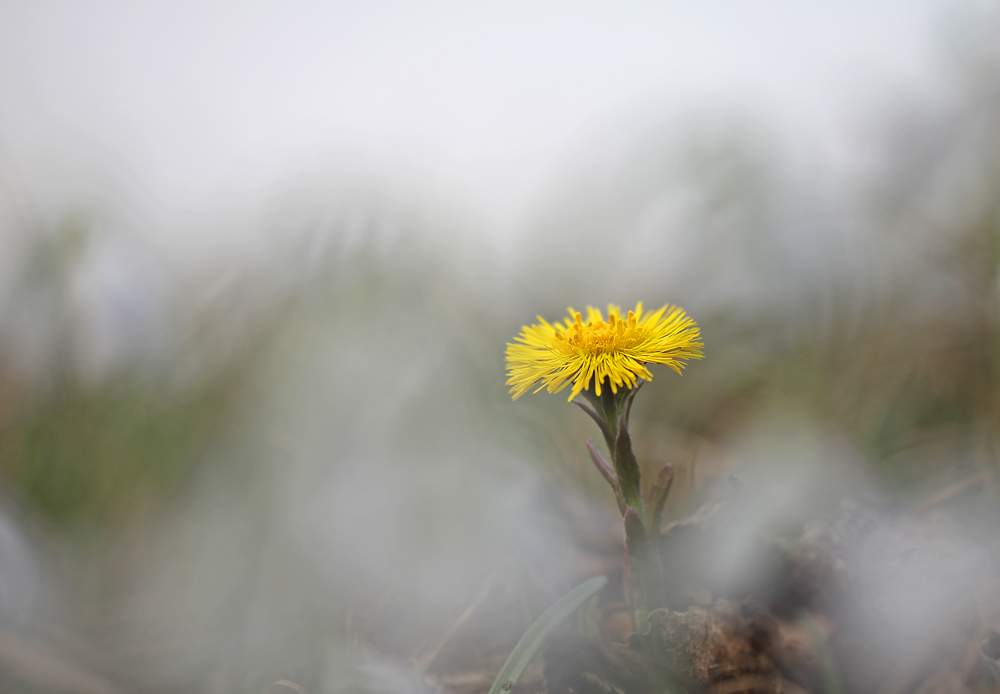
(301,465)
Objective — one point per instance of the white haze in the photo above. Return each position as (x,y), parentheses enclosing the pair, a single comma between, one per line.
(195,111)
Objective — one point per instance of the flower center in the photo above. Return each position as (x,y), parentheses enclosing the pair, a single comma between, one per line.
(599,337)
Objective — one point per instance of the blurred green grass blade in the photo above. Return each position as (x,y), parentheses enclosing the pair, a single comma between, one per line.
(990,653)
(529,645)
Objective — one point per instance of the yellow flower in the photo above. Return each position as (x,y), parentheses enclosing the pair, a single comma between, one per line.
(553,355)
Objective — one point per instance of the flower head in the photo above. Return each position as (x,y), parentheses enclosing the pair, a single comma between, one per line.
(616,350)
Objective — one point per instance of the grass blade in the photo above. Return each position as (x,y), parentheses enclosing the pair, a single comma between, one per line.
(529,645)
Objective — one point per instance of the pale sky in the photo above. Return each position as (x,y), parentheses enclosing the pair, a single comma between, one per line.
(203,107)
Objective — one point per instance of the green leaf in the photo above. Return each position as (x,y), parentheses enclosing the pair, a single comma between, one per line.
(529,645)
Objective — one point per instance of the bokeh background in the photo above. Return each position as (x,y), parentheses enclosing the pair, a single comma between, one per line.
(259,263)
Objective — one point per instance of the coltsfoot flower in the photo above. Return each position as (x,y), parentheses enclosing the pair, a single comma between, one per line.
(553,355)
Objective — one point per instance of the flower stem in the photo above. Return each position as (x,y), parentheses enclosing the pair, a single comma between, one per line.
(611,412)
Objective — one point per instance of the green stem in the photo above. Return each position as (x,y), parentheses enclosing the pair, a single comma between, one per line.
(638,562)
(611,412)
(627,469)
